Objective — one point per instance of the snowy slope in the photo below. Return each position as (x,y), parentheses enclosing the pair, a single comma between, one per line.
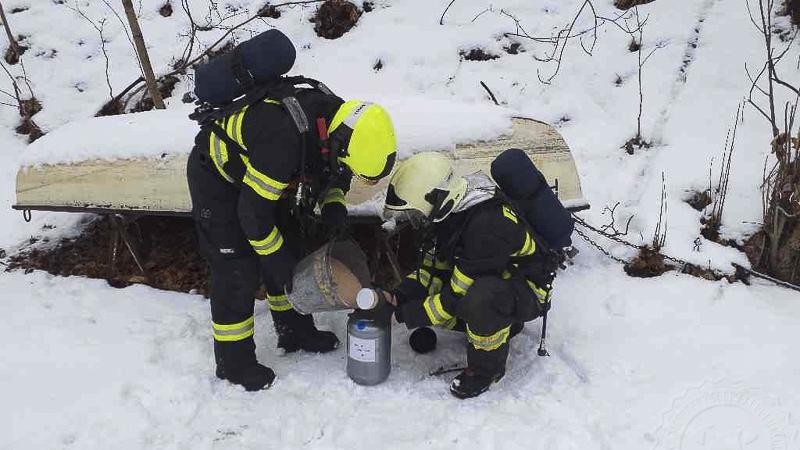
(87,366)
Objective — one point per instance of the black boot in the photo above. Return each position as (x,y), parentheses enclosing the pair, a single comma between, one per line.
(236,362)
(297,332)
(483,369)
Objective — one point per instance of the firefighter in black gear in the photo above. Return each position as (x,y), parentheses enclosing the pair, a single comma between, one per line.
(243,175)
(481,275)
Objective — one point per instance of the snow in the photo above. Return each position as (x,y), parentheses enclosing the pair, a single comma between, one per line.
(421,124)
(142,135)
(133,368)
(88,366)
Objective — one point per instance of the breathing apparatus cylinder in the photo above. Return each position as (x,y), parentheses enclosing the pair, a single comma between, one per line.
(522,181)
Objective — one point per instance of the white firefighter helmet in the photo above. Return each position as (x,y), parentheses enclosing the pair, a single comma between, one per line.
(425,184)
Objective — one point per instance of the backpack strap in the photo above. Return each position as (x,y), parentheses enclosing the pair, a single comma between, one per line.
(282,89)
(242,75)
(297,113)
(234,167)
(541,243)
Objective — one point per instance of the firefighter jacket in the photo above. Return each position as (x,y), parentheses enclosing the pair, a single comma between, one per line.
(268,162)
(484,240)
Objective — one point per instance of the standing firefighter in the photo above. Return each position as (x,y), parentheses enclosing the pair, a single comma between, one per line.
(485,272)
(244,174)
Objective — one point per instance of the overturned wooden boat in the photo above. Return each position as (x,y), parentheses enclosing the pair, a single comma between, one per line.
(158,186)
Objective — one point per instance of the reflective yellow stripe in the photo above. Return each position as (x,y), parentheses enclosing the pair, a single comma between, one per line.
(262,184)
(460,282)
(234,331)
(219,154)
(271,101)
(450,324)
(270,244)
(279,303)
(435,310)
(510,214)
(334,195)
(528,248)
(234,127)
(541,294)
(421,275)
(229,126)
(491,342)
(430,261)
(427,260)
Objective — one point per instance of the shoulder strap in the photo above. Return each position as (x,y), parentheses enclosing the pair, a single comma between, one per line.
(205,113)
(284,90)
(504,198)
(452,242)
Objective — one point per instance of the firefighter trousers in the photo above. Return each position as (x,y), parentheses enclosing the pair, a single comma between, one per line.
(235,268)
(491,306)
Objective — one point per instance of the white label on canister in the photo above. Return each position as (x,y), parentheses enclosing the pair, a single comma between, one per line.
(362,349)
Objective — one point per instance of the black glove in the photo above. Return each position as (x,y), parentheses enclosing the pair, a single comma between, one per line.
(542,273)
(401,300)
(278,271)
(384,310)
(544,267)
(334,216)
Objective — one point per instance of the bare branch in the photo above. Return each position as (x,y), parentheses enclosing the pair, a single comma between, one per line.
(441,19)
(754,81)
(752,19)
(124,29)
(612,224)
(660,232)
(655,49)
(489,9)
(188,61)
(12,41)
(99,26)
(559,41)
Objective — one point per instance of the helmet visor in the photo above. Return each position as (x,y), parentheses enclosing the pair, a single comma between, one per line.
(387,169)
(365,180)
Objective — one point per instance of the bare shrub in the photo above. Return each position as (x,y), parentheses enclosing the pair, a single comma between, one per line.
(713,221)
(775,249)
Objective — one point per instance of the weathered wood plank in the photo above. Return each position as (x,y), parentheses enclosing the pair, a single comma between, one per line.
(160,185)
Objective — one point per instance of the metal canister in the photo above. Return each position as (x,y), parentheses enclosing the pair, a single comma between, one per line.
(319,287)
(369,346)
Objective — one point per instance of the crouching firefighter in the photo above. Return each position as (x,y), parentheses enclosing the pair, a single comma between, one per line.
(484,271)
(253,173)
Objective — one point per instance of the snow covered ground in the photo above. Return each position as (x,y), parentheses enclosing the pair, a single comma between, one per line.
(89,366)
(669,362)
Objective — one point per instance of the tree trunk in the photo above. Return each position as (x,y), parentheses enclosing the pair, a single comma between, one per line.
(141,50)
(12,55)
